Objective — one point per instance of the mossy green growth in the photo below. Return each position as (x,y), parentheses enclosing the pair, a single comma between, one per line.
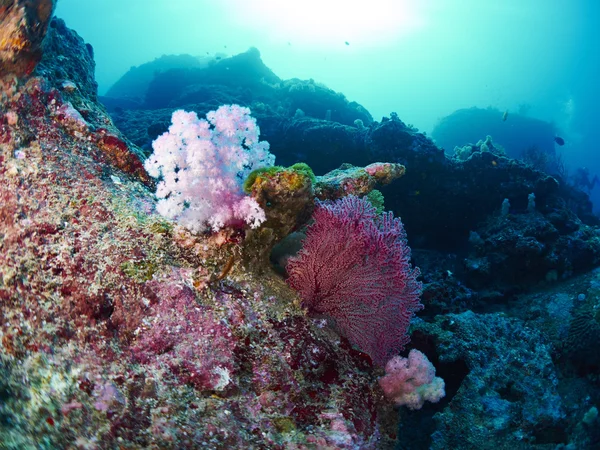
(376,199)
(284,424)
(251,178)
(304,169)
(140,270)
(301,169)
(161,227)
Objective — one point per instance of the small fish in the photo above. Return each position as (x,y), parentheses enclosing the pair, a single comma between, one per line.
(347,43)
(447,274)
(505,116)
(560,141)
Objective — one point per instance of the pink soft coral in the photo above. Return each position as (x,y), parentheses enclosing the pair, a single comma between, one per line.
(411,381)
(203,164)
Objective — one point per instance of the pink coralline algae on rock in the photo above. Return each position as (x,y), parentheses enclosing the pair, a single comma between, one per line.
(358,181)
(182,337)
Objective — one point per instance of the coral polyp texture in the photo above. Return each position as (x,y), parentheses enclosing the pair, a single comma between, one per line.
(203,165)
(411,381)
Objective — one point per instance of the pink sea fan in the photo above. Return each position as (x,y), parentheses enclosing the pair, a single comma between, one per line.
(354,267)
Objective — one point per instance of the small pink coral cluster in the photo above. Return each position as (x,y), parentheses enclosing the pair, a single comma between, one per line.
(203,164)
(411,381)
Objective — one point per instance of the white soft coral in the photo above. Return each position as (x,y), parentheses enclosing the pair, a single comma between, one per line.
(203,165)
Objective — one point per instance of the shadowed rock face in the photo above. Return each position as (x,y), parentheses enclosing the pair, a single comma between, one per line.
(516,134)
(23,25)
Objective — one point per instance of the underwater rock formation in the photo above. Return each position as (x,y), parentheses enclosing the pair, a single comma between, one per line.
(516,134)
(463,192)
(119,328)
(24,25)
(504,382)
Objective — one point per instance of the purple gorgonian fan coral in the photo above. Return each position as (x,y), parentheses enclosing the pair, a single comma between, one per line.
(354,268)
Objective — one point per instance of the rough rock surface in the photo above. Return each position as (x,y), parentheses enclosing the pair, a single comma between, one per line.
(119,330)
(23,27)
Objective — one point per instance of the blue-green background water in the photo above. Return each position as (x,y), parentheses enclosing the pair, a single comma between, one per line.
(422,59)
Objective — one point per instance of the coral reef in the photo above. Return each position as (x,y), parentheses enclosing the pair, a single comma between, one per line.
(507,382)
(119,329)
